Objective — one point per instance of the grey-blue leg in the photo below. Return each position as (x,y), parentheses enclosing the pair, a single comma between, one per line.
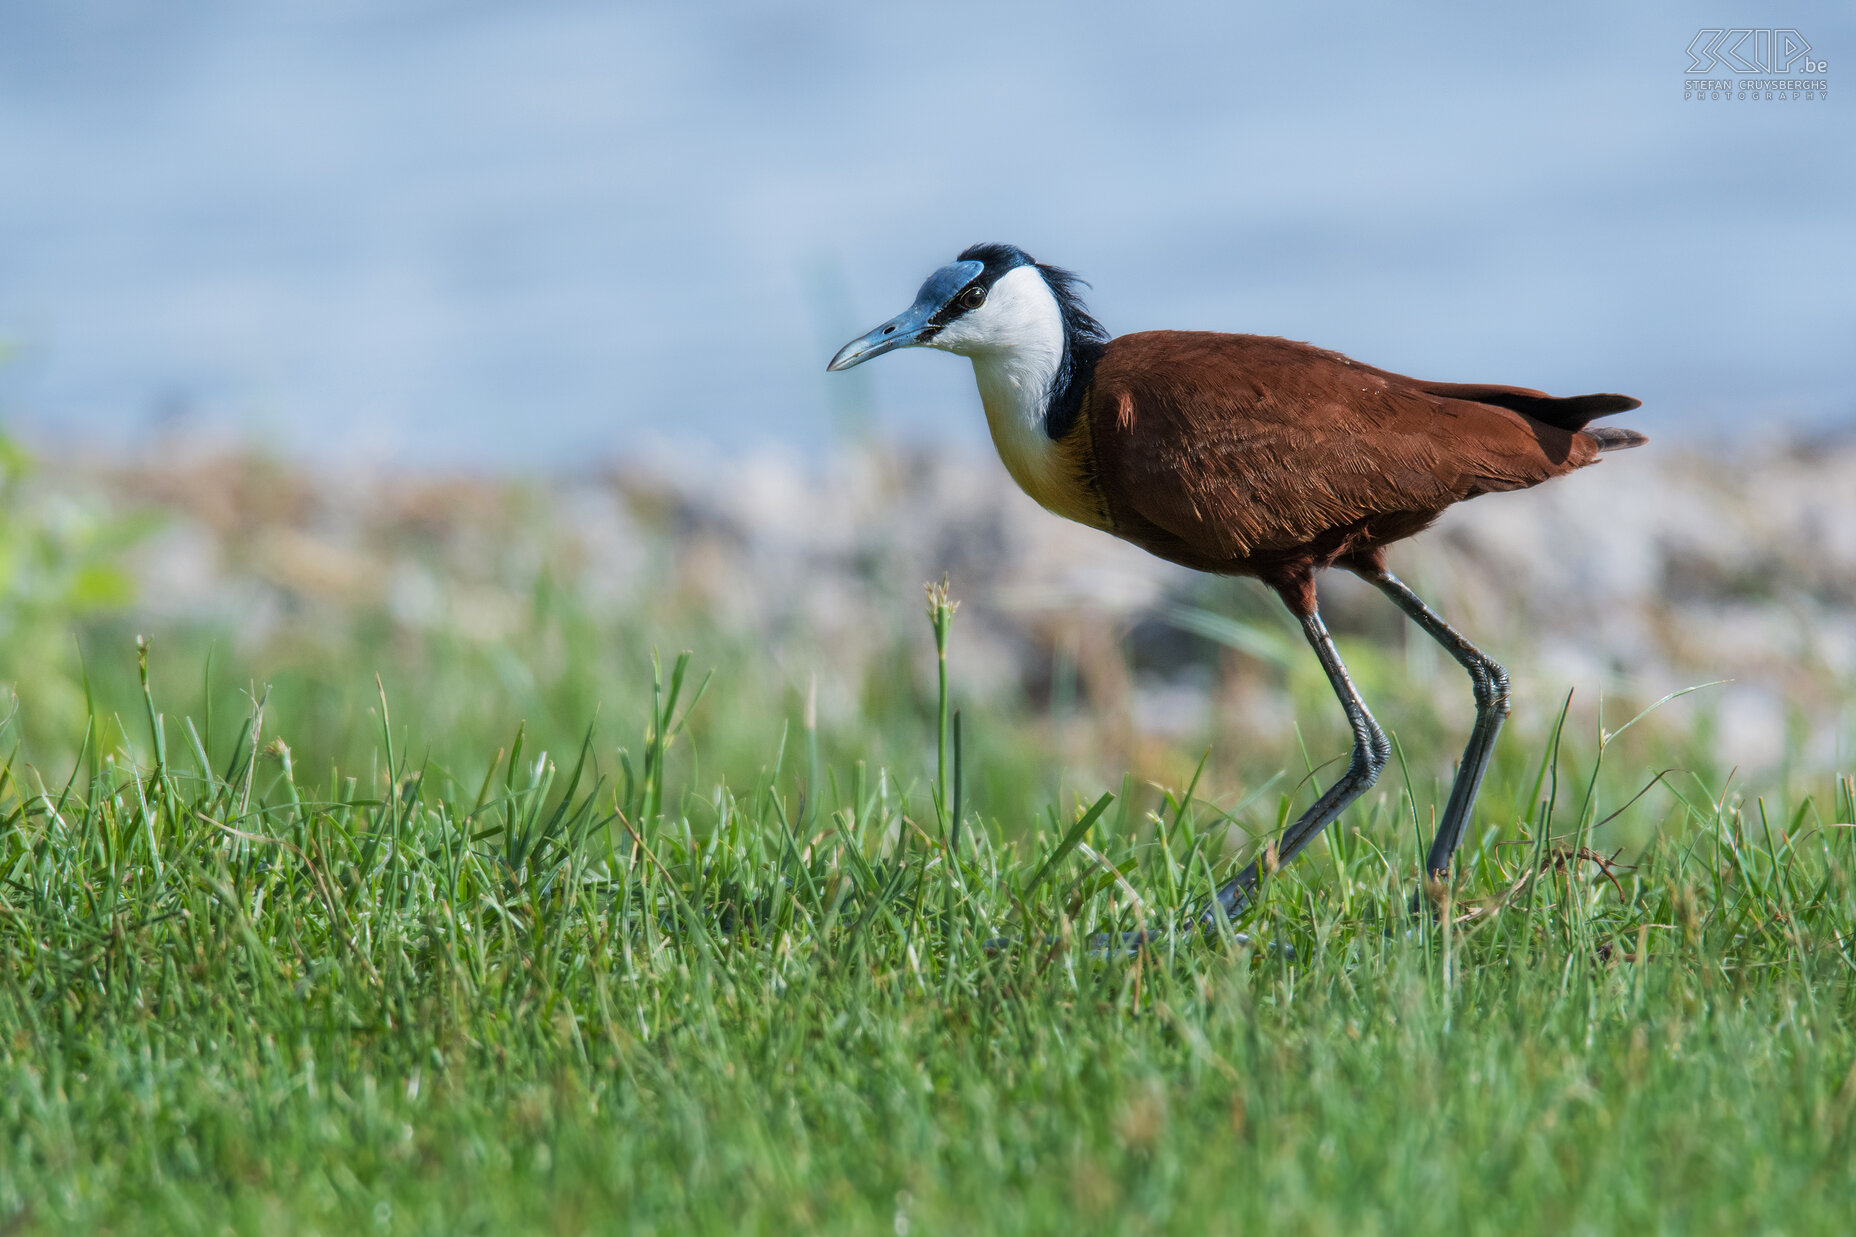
(1491,683)
(1370,754)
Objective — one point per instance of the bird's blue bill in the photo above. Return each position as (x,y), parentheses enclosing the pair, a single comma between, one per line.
(909,326)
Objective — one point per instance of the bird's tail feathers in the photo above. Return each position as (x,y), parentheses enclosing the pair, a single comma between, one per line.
(1610,438)
(1573,412)
(1569,413)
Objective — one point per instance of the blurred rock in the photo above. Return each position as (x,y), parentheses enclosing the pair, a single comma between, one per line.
(1655,571)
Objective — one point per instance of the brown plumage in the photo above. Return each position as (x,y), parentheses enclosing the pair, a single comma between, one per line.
(1247,455)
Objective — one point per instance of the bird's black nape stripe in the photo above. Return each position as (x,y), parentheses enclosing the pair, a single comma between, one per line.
(1083,337)
(1083,342)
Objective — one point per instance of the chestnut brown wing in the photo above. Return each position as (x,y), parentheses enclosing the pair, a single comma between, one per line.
(1240,444)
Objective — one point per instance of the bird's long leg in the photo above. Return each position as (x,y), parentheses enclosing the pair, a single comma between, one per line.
(1370,753)
(1491,683)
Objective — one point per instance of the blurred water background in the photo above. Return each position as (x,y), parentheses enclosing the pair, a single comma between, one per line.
(440,232)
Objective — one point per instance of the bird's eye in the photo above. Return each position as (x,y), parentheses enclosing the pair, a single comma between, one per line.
(973,298)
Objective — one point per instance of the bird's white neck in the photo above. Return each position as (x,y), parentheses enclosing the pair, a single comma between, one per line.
(1015,386)
(1016,342)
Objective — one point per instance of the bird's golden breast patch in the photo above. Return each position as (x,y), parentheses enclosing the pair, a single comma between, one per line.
(1058,474)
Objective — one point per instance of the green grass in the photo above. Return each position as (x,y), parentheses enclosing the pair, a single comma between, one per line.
(652,982)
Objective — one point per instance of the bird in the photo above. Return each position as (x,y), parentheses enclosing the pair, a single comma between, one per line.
(1249,455)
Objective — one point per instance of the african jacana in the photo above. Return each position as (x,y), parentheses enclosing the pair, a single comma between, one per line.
(1252,456)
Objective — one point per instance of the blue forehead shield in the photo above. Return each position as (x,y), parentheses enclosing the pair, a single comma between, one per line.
(909,326)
